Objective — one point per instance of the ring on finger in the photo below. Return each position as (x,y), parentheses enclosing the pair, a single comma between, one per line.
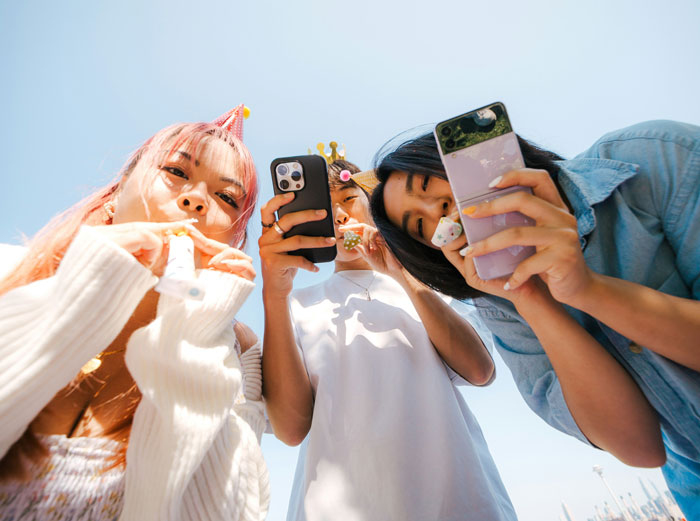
(266,225)
(278,228)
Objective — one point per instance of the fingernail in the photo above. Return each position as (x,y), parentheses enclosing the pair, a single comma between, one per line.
(320,212)
(469,210)
(495,181)
(330,240)
(191,220)
(507,286)
(467,249)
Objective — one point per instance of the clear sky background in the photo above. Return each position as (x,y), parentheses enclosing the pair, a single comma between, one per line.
(84,83)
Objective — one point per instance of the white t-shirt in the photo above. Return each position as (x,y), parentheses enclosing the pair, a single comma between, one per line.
(391,437)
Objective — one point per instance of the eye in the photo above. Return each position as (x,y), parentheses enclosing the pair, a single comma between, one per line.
(419,226)
(228,199)
(349,198)
(175,171)
(424,184)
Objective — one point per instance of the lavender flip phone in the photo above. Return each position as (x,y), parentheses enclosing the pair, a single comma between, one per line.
(475,148)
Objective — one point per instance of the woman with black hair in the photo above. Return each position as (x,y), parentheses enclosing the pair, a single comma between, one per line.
(600,327)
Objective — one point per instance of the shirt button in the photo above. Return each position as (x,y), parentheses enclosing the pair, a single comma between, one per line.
(635,348)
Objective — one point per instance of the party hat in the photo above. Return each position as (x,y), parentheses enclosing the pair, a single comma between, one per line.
(367,180)
(233,120)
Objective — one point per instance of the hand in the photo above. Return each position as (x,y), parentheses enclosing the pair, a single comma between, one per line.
(558,259)
(374,249)
(219,256)
(279,268)
(144,240)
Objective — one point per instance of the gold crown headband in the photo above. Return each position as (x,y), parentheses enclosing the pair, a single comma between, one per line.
(367,180)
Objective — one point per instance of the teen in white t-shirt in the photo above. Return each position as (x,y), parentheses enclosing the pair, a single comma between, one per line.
(361,367)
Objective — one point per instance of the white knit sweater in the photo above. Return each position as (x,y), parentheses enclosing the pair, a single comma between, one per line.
(194,451)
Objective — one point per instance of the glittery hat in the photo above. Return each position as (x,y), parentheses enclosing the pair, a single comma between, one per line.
(233,120)
(367,180)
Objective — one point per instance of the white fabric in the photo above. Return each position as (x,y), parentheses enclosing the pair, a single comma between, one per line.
(391,436)
(193,453)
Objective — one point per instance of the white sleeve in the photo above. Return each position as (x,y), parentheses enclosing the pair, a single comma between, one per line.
(191,454)
(50,328)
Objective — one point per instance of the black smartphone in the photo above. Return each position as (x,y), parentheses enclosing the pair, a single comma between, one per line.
(307,178)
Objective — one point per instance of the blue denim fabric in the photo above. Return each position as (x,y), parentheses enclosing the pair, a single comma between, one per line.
(636,196)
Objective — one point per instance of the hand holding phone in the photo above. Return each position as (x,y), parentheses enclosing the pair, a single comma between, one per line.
(307,178)
(476,148)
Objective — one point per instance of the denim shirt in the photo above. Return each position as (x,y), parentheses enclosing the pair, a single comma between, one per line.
(636,196)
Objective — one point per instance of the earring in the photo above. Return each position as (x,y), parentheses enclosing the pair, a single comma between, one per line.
(109,210)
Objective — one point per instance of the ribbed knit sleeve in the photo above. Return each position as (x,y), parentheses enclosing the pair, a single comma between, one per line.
(190,455)
(50,328)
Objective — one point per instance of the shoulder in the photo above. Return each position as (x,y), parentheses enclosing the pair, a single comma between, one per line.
(649,138)
(309,295)
(246,337)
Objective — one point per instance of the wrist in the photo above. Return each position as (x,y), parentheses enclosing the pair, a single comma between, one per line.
(589,296)
(272,298)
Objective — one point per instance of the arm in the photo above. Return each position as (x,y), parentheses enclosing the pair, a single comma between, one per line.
(186,368)
(663,323)
(606,403)
(286,386)
(51,327)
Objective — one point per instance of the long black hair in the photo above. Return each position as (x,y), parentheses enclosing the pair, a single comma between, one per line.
(420,156)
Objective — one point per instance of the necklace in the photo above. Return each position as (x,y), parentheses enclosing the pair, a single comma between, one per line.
(95,363)
(365,288)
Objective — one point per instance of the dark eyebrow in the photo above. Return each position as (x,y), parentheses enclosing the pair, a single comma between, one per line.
(409,183)
(187,156)
(233,181)
(404,223)
(347,187)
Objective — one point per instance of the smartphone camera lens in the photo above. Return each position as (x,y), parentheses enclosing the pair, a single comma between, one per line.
(450,143)
(284,184)
(446,131)
(296,175)
(281,169)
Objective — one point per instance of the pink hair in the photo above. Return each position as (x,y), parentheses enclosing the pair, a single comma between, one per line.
(46,249)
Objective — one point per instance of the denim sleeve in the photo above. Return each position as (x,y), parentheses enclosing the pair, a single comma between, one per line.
(532,371)
(667,184)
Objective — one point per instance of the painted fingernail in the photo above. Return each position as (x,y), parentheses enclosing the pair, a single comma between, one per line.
(469,210)
(507,286)
(467,249)
(330,240)
(495,181)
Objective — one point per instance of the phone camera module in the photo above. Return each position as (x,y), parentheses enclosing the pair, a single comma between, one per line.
(446,131)
(296,175)
(450,143)
(281,169)
(284,184)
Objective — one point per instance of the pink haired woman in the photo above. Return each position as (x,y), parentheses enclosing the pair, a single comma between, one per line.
(118,401)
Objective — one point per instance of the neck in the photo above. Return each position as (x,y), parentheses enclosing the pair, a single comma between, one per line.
(356,264)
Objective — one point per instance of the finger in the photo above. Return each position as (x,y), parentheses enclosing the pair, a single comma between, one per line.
(146,246)
(538,236)
(238,267)
(356,227)
(230,253)
(300,242)
(293,261)
(534,207)
(539,180)
(540,263)
(213,247)
(267,211)
(290,220)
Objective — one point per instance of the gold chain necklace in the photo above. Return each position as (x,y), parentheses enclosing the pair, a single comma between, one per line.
(366,288)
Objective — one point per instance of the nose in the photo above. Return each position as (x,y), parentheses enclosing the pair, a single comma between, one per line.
(193,201)
(339,215)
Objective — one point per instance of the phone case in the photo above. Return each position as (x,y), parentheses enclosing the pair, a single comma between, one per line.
(315,194)
(475,148)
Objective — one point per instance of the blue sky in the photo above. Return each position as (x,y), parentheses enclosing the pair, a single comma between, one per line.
(84,83)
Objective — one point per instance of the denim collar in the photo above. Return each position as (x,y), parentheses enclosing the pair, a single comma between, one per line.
(589,181)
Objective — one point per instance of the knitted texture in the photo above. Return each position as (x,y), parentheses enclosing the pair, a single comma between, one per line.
(194,450)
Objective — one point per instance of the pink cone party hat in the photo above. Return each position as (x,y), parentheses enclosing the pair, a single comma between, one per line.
(233,120)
